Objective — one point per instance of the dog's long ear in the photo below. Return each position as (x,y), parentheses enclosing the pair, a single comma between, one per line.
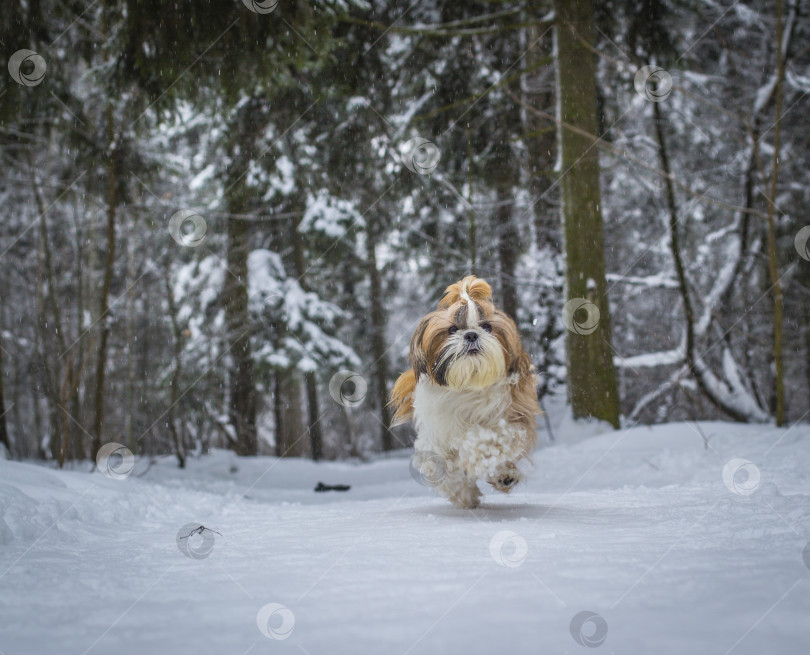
(402,393)
(418,356)
(505,330)
(402,397)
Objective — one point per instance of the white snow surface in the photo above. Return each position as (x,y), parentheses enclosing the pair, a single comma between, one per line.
(637,526)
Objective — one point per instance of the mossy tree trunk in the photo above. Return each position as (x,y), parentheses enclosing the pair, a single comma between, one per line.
(592,387)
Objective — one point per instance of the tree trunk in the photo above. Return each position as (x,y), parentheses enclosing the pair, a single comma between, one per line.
(314,423)
(807,346)
(540,137)
(278,414)
(242,402)
(508,251)
(109,261)
(471,222)
(773,260)
(46,294)
(130,245)
(81,349)
(592,387)
(177,349)
(693,362)
(3,429)
(378,351)
(290,426)
(310,379)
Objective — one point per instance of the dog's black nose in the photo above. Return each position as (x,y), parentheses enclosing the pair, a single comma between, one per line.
(471,336)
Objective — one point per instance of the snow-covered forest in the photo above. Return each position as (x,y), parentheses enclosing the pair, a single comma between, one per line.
(222,222)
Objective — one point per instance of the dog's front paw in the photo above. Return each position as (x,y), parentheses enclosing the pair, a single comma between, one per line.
(466,495)
(505,478)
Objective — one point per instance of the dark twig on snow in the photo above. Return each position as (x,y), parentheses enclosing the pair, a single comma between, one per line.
(332,487)
(199,530)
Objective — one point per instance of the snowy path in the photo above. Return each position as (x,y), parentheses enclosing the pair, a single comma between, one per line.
(637,527)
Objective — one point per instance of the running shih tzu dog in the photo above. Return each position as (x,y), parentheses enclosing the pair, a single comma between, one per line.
(470,393)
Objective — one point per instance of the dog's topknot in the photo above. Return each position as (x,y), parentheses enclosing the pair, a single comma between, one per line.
(468,288)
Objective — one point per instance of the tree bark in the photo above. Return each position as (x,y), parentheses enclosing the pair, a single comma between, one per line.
(310,379)
(60,423)
(290,426)
(314,422)
(508,251)
(82,349)
(104,306)
(278,413)
(539,138)
(242,401)
(177,349)
(3,429)
(472,227)
(807,346)
(378,351)
(773,259)
(592,387)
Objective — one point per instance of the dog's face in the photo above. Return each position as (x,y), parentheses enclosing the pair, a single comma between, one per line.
(466,344)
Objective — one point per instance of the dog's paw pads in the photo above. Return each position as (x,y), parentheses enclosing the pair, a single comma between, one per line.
(505,483)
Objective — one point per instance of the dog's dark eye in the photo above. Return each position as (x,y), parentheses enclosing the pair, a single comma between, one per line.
(486,327)
(452,329)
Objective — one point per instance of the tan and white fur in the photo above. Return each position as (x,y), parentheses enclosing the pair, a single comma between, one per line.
(470,393)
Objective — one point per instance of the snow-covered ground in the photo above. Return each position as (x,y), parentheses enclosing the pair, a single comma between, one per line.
(637,527)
